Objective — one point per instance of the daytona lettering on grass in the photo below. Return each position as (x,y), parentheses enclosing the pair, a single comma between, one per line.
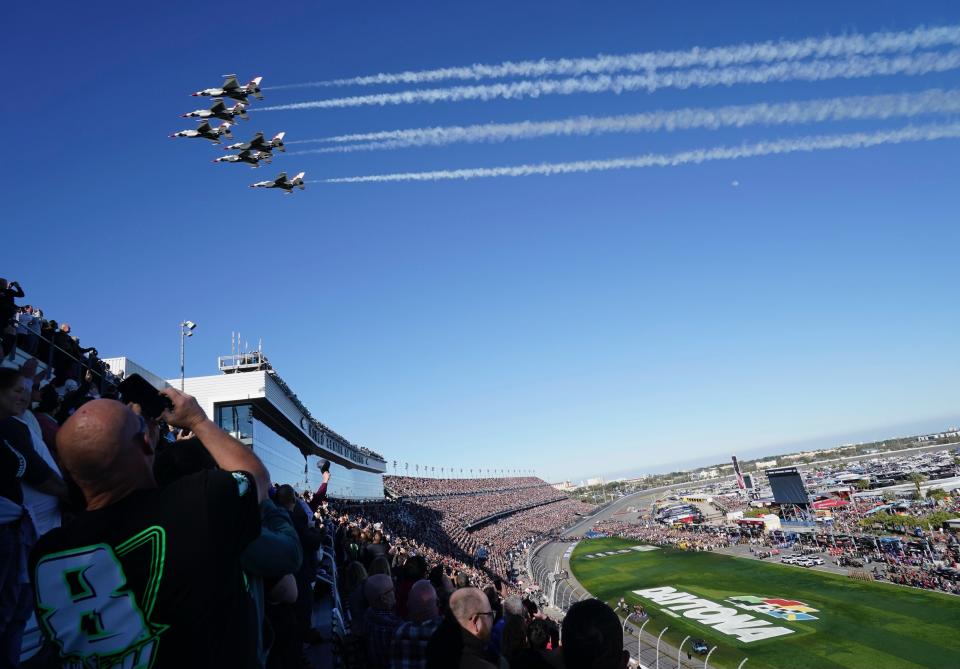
(723,619)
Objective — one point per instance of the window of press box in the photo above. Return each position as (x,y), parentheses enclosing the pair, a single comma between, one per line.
(237,419)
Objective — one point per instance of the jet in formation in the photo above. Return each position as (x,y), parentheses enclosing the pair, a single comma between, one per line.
(252,158)
(220,111)
(253,152)
(231,88)
(283,183)
(206,132)
(258,143)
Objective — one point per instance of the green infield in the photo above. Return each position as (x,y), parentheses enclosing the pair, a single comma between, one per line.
(777,615)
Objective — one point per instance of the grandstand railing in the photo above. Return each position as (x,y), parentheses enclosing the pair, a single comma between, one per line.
(477,524)
(19,356)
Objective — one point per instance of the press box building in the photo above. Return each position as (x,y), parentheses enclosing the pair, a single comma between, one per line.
(252,402)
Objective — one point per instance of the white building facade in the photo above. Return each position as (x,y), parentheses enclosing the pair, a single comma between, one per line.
(249,400)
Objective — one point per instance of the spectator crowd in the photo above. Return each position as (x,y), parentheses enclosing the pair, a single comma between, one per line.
(151,537)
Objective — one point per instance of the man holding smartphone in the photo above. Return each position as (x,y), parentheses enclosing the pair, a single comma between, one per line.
(150,576)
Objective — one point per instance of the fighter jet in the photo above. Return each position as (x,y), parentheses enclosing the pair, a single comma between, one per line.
(206,132)
(252,158)
(282,182)
(232,89)
(259,144)
(220,111)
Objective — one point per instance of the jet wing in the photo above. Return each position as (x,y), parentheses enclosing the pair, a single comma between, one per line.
(257,141)
(281,180)
(218,106)
(230,82)
(204,127)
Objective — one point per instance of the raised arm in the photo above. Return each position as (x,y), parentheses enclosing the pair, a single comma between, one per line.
(229,454)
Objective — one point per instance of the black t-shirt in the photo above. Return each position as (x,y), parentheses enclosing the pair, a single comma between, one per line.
(153,580)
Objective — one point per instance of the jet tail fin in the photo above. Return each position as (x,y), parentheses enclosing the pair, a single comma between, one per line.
(254,87)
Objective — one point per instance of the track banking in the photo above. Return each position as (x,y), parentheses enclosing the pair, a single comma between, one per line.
(723,619)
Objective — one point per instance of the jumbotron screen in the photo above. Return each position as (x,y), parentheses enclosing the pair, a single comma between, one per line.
(787,486)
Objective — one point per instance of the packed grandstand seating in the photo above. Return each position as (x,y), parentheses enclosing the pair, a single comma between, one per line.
(415,486)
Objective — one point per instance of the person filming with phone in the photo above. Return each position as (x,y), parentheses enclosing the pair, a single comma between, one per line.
(150,576)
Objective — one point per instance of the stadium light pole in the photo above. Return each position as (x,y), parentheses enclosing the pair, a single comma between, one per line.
(680,649)
(186,330)
(707,658)
(658,645)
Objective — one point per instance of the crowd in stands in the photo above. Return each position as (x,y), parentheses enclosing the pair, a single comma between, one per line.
(470,508)
(57,352)
(413,607)
(437,525)
(222,564)
(415,486)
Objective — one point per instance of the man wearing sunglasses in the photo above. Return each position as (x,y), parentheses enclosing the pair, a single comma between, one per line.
(471,608)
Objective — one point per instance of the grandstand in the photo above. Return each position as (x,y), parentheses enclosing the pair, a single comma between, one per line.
(474,529)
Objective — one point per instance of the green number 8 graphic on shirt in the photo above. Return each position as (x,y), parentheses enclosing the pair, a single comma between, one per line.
(85,605)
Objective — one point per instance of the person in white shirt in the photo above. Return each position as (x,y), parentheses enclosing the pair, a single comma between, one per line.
(28,330)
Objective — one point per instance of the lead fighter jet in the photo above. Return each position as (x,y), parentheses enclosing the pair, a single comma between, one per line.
(259,144)
(231,88)
(220,111)
(206,132)
(252,158)
(287,185)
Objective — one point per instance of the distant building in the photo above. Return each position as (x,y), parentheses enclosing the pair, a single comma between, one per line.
(594,481)
(765,464)
(565,486)
(953,434)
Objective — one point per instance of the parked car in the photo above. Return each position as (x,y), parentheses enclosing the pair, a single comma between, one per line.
(700,646)
(815,560)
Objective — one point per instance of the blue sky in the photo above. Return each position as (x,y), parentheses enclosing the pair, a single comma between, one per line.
(576,324)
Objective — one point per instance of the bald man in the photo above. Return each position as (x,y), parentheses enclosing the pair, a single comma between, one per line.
(409,647)
(149,576)
(379,620)
(471,608)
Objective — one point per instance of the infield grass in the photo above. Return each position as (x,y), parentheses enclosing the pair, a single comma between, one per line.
(869,625)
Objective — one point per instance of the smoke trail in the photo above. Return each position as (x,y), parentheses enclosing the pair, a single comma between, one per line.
(817,70)
(848,45)
(933,101)
(778,147)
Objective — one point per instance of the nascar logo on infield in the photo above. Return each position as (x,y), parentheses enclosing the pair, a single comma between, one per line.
(785,609)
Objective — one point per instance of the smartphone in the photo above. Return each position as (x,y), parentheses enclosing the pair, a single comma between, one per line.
(136,389)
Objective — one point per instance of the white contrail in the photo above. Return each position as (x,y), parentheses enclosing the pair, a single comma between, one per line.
(826,47)
(933,101)
(817,70)
(783,146)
